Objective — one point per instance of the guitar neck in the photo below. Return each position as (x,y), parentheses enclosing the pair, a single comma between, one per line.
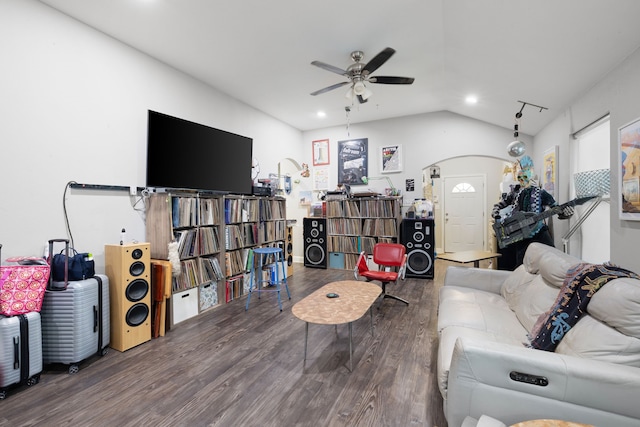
(557,209)
(549,212)
(553,211)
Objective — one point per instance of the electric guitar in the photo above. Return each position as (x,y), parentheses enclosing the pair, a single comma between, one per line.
(520,225)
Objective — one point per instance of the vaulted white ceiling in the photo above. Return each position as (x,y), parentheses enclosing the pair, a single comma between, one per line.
(544,52)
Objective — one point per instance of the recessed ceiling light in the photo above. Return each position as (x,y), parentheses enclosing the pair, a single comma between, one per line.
(471,99)
(321,114)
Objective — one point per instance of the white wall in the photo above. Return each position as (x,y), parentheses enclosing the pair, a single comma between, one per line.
(73,104)
(617,93)
(426,139)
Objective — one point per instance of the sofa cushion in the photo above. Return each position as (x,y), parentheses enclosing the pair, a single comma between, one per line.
(528,295)
(448,337)
(514,286)
(611,330)
(472,308)
(592,339)
(553,266)
(549,262)
(532,288)
(618,305)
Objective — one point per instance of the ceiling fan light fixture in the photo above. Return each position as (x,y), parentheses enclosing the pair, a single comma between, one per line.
(359,88)
(367,93)
(349,94)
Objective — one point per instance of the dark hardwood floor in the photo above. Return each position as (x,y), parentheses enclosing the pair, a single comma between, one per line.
(228,367)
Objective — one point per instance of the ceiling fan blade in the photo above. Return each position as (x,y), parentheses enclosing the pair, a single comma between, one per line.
(378,60)
(329,68)
(361,100)
(328,88)
(389,80)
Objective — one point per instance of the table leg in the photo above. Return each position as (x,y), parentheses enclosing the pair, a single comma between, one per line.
(259,282)
(306,336)
(476,264)
(284,275)
(351,346)
(251,277)
(371,316)
(277,282)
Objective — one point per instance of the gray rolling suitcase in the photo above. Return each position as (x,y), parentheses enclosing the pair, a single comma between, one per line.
(76,322)
(20,351)
(75,319)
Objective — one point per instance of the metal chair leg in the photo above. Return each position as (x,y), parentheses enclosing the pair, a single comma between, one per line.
(386,295)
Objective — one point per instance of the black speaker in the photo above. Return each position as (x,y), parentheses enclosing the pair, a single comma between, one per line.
(315,242)
(288,252)
(417,235)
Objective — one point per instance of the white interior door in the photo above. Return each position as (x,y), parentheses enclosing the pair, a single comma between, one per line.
(464,213)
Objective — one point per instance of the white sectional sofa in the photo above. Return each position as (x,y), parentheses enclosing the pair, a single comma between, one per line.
(484,363)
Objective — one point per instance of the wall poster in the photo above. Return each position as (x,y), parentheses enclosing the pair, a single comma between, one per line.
(391,158)
(550,171)
(353,161)
(320,152)
(629,149)
(321,178)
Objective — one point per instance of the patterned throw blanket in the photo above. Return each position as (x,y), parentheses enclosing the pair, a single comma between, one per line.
(580,284)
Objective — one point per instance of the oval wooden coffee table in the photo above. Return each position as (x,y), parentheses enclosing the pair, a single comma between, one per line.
(353,300)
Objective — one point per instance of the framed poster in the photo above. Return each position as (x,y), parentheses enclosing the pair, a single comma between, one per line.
(550,170)
(321,178)
(629,161)
(391,158)
(306,197)
(353,161)
(320,152)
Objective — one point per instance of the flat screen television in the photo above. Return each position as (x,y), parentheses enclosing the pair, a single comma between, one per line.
(187,155)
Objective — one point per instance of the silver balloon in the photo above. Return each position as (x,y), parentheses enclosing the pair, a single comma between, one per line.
(516,148)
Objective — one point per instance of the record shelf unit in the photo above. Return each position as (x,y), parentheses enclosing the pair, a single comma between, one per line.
(357,224)
(250,222)
(214,234)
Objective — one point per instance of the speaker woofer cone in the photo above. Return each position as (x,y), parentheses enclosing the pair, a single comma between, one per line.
(137,314)
(418,261)
(315,254)
(137,290)
(137,268)
(136,254)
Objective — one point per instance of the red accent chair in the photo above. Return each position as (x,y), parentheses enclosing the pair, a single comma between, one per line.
(392,261)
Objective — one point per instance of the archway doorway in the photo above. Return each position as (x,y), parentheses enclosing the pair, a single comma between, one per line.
(492,168)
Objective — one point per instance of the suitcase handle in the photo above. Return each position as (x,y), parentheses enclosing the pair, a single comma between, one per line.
(66,262)
(95,319)
(16,352)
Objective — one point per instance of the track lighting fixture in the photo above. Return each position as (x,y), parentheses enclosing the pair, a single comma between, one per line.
(517,148)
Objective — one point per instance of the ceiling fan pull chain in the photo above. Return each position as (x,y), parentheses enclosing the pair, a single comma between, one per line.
(347,109)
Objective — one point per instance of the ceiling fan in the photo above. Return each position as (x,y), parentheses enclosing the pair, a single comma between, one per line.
(359,73)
